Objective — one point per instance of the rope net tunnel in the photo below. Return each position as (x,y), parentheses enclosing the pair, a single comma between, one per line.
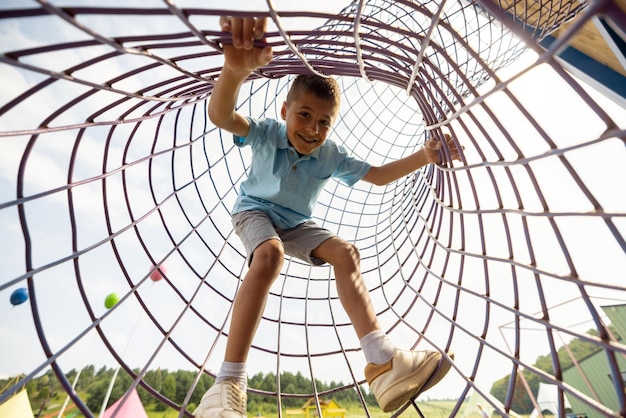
(114,181)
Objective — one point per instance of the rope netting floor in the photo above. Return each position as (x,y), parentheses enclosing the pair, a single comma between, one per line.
(110,168)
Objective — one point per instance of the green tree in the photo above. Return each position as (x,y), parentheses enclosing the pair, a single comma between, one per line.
(521,401)
(184,380)
(168,389)
(95,394)
(43,382)
(153,379)
(43,394)
(204,384)
(97,390)
(291,402)
(269,382)
(105,372)
(31,387)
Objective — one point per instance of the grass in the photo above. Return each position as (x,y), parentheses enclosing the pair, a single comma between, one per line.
(430,409)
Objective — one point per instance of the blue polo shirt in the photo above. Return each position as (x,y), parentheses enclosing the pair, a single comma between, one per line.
(284,185)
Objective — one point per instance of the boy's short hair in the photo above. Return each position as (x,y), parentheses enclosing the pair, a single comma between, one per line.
(323,87)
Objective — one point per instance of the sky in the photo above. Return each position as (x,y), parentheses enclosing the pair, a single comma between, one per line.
(563,117)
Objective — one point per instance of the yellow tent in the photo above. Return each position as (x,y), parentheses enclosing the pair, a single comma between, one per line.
(329,409)
(17,406)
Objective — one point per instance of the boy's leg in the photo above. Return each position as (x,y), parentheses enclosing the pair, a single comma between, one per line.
(266,256)
(354,297)
(398,375)
(251,298)
(227,397)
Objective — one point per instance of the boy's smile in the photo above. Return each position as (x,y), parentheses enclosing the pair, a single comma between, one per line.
(309,119)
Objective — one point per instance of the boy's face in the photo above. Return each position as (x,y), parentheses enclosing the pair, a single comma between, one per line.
(309,120)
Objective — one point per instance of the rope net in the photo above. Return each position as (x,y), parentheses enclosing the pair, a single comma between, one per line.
(110,169)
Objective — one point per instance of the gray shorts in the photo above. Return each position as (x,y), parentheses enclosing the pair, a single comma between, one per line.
(254,227)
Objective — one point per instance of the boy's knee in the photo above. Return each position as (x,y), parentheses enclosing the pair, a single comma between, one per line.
(348,254)
(353,251)
(269,256)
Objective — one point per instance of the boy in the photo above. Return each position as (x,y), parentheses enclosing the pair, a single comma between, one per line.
(291,162)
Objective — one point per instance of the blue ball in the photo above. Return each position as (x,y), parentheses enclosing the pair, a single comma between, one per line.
(19,296)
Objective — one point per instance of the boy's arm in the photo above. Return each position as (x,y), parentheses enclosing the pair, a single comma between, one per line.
(395,170)
(223,100)
(240,59)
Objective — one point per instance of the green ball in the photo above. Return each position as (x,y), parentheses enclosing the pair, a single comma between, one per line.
(111,300)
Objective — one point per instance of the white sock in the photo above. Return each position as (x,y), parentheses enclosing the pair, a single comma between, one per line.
(233,370)
(377,347)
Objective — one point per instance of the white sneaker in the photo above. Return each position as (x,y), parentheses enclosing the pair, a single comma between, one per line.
(406,375)
(223,400)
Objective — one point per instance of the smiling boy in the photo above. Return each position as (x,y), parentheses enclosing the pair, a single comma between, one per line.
(291,162)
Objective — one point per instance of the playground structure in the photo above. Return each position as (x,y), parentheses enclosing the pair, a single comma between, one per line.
(111,171)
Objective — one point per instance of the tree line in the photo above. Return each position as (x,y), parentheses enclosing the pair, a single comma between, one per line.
(93,384)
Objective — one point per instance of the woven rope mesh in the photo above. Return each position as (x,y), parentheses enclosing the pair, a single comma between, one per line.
(109,168)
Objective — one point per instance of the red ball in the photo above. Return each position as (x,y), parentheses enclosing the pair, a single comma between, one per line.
(158,273)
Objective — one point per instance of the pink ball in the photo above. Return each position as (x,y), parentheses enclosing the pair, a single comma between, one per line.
(158,273)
